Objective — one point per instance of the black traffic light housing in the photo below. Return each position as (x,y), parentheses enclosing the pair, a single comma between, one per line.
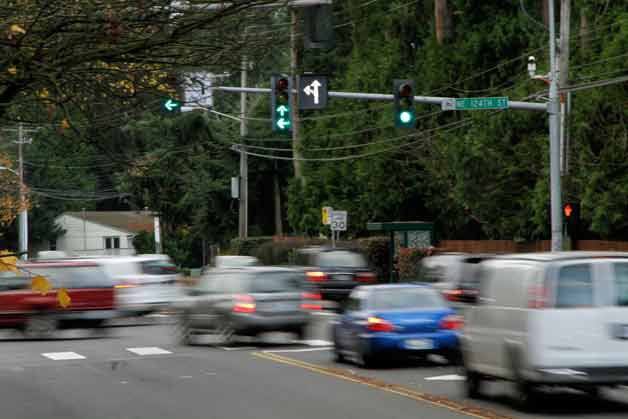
(405,114)
(571,215)
(281,111)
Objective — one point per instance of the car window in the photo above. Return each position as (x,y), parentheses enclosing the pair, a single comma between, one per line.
(74,276)
(273,282)
(406,298)
(621,284)
(158,267)
(575,287)
(341,259)
(354,303)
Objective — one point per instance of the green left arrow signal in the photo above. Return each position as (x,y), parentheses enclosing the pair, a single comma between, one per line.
(283,123)
(171,105)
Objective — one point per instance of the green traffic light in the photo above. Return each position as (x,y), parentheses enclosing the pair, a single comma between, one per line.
(405,117)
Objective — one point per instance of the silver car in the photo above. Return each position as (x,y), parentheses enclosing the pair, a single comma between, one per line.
(246,302)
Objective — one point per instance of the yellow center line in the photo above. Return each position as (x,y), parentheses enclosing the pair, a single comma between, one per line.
(438,401)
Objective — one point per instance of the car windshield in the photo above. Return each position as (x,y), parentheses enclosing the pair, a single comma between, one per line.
(406,298)
(274,282)
(343,259)
(159,267)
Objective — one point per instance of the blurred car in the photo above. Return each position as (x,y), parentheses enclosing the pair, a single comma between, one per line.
(223,262)
(38,314)
(388,320)
(454,275)
(335,272)
(144,283)
(546,319)
(247,301)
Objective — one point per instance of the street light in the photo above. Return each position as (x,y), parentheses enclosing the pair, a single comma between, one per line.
(23,220)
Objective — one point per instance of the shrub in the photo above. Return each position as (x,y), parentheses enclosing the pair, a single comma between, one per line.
(409,262)
(248,246)
(376,251)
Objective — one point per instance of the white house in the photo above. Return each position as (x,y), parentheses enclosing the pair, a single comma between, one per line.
(101,232)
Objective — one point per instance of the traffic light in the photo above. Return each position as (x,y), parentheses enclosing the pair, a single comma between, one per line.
(571,214)
(170,105)
(281,87)
(405,115)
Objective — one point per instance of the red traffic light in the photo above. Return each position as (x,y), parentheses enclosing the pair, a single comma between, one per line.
(282,84)
(567,210)
(405,90)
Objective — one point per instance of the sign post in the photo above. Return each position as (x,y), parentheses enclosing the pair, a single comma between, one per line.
(338,223)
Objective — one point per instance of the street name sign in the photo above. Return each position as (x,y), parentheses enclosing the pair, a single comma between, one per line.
(474,103)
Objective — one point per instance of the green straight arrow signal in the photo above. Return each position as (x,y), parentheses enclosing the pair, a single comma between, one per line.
(282,110)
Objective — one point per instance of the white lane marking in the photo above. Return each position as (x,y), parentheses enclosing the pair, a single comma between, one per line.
(183,377)
(298,350)
(448,377)
(149,350)
(237,348)
(62,356)
(315,342)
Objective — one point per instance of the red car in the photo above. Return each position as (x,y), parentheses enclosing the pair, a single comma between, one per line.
(91,298)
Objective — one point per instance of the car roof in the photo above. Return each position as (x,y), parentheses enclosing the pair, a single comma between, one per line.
(253,269)
(395,286)
(559,256)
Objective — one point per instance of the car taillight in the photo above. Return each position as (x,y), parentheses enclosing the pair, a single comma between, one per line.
(316,276)
(452,295)
(311,301)
(366,277)
(537,296)
(244,304)
(451,322)
(375,324)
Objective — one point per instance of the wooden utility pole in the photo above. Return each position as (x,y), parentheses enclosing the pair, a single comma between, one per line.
(563,81)
(294,106)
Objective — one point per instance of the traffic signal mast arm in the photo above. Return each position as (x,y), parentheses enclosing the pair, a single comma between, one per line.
(429,100)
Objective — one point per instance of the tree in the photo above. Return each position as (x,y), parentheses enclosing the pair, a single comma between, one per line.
(57,56)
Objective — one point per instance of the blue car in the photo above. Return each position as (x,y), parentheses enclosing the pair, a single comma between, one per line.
(386,321)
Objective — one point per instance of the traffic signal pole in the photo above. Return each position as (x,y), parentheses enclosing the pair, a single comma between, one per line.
(553,111)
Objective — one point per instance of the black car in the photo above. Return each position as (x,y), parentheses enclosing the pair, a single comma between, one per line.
(335,272)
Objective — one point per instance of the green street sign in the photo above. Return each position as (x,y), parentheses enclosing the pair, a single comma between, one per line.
(475,103)
(171,105)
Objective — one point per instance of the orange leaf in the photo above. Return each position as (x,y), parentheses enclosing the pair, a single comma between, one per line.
(63,298)
(40,284)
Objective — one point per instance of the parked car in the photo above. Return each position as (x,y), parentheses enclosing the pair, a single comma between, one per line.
(549,319)
(90,290)
(247,301)
(335,272)
(143,283)
(454,275)
(387,320)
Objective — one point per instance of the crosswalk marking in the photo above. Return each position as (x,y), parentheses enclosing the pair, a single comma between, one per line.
(62,356)
(148,350)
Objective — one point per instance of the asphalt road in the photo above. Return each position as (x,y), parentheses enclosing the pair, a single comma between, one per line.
(140,372)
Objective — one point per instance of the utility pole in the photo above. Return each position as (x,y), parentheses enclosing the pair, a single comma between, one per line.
(243,221)
(553,111)
(294,106)
(563,81)
(23,217)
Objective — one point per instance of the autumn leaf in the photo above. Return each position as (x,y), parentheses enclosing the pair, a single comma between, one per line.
(63,298)
(8,263)
(12,70)
(40,284)
(15,28)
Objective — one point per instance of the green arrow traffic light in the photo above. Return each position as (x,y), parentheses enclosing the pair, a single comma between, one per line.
(171,105)
(280,103)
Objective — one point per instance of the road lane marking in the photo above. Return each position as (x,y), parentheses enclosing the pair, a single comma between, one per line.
(315,342)
(237,348)
(439,401)
(148,350)
(297,350)
(62,356)
(448,377)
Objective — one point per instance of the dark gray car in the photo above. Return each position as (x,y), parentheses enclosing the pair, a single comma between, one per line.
(245,302)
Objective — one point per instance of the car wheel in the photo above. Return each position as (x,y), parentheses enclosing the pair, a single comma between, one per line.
(184,331)
(473,384)
(365,360)
(454,357)
(525,395)
(301,333)
(594,391)
(40,327)
(224,332)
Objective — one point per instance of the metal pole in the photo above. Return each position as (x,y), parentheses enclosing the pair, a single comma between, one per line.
(333,239)
(553,111)
(294,64)
(429,100)
(563,80)
(84,230)
(243,220)
(23,217)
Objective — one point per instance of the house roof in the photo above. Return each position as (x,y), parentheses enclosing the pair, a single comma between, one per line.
(131,221)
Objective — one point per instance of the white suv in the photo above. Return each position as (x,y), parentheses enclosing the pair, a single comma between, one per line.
(549,319)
